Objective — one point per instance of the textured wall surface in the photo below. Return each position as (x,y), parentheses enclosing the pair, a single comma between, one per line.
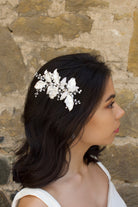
(34,31)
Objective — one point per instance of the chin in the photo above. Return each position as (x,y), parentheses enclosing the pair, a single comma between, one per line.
(109,141)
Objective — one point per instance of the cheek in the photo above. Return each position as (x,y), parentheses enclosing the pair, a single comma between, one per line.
(100,125)
(101,122)
(93,129)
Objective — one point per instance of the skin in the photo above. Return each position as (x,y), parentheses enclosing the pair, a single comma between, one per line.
(87,184)
(100,129)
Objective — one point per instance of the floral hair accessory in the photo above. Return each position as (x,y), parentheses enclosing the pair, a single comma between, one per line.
(61,89)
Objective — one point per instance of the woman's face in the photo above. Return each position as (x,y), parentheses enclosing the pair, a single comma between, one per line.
(100,130)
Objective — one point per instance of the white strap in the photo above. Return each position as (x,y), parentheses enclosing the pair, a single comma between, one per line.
(39,193)
(114,199)
(104,169)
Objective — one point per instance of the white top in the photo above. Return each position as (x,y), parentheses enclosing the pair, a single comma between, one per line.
(114,199)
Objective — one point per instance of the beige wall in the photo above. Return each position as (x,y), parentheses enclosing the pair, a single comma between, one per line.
(32,33)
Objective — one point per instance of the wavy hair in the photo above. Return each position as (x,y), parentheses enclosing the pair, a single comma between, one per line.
(49,126)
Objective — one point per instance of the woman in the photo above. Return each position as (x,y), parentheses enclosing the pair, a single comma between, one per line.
(70,111)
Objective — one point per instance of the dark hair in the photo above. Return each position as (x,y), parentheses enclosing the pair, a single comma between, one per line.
(49,126)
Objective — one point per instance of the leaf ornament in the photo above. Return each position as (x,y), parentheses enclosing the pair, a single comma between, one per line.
(58,88)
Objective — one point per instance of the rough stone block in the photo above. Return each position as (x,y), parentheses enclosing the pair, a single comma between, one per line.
(82,5)
(49,53)
(125,98)
(12,68)
(31,7)
(3,200)
(118,17)
(121,162)
(36,28)
(11,122)
(129,193)
(4,171)
(133,48)
(129,121)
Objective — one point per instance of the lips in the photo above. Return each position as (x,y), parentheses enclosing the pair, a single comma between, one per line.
(117,130)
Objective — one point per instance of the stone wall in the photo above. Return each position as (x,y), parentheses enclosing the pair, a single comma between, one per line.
(34,31)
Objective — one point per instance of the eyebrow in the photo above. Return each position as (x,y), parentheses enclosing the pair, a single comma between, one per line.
(111,96)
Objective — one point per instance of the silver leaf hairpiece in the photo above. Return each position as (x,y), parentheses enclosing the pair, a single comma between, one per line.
(58,88)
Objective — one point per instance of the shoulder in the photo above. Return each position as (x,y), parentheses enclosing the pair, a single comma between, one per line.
(104,169)
(31,201)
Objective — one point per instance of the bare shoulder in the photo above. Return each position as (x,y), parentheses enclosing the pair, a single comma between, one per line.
(31,201)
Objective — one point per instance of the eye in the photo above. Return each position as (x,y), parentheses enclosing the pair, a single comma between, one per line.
(111,105)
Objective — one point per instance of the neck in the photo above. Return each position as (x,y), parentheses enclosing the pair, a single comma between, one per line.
(77,165)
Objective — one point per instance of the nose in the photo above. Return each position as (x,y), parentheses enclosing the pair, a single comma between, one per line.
(119,112)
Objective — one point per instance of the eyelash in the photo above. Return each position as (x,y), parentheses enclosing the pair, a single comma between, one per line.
(111,105)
